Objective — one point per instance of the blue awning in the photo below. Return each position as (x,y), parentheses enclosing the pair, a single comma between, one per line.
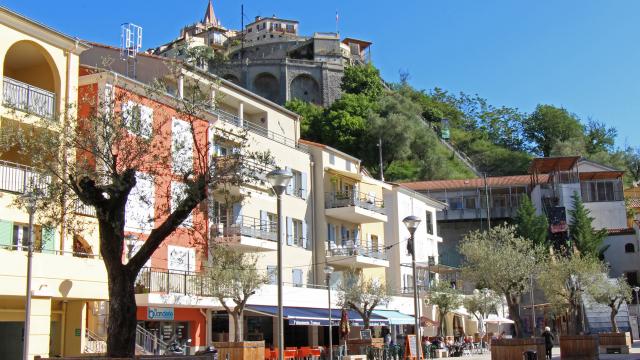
(396,317)
(316,316)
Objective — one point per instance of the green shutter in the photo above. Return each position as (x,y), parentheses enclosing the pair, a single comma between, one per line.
(48,239)
(6,232)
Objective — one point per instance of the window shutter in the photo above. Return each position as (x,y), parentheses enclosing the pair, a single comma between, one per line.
(369,242)
(356,236)
(303,186)
(344,234)
(331,235)
(48,242)
(264,221)
(289,231)
(127,115)
(237,211)
(305,236)
(289,189)
(6,232)
(181,146)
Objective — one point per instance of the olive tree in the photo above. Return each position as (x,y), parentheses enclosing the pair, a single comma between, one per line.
(98,158)
(446,299)
(612,293)
(233,276)
(564,282)
(482,303)
(362,294)
(500,260)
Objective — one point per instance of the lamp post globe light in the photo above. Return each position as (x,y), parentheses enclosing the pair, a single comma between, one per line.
(412,222)
(328,270)
(279,180)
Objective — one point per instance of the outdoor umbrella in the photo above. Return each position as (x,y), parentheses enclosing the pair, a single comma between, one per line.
(498,320)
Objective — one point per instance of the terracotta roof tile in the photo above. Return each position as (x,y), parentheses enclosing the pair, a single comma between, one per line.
(622,231)
(495,181)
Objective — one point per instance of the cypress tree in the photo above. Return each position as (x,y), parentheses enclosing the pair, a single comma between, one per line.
(581,232)
(529,225)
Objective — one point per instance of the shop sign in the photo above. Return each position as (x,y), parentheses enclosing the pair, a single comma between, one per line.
(155,313)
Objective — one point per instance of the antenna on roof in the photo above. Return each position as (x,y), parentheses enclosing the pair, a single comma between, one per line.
(130,45)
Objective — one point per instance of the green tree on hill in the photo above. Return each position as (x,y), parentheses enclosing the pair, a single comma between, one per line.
(549,125)
(363,79)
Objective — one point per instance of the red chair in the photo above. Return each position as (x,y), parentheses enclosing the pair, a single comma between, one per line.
(290,354)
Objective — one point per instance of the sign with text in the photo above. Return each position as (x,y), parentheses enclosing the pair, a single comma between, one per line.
(156,313)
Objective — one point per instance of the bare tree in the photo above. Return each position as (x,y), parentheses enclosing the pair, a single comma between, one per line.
(362,294)
(233,275)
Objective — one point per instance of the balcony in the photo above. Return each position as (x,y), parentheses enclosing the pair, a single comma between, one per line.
(253,172)
(355,207)
(18,179)
(351,255)
(30,99)
(151,280)
(256,129)
(246,233)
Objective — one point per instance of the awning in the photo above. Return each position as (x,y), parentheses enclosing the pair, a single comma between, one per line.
(344,173)
(316,316)
(395,317)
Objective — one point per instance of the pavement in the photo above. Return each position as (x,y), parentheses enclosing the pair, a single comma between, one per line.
(633,355)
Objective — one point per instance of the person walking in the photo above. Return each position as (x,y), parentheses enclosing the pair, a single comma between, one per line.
(548,341)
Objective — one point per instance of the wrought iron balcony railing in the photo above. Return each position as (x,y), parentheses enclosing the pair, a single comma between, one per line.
(354,198)
(28,98)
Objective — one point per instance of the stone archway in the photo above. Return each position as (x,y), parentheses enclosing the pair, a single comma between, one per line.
(305,87)
(267,86)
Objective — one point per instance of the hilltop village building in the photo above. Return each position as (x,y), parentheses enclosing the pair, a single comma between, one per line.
(333,211)
(272,59)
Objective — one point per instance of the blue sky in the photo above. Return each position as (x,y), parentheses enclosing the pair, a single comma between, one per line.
(580,54)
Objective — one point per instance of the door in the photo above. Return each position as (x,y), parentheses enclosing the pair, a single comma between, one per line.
(11,341)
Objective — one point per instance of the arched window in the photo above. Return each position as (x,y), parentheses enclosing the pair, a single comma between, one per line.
(629,248)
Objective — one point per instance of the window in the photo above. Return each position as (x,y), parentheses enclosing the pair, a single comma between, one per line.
(429,222)
(290,28)
(469,203)
(139,210)
(629,248)
(272,275)
(296,182)
(455,203)
(20,235)
(181,258)
(297,234)
(178,193)
(632,278)
(181,147)
(138,119)
(374,242)
(297,277)
(347,165)
(603,190)
(332,159)
(132,248)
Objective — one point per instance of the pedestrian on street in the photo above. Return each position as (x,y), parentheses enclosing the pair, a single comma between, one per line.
(548,341)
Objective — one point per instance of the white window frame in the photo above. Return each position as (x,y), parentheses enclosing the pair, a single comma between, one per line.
(181,146)
(131,109)
(181,258)
(140,207)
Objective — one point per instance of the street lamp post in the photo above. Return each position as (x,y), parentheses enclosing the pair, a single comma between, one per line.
(328,270)
(412,222)
(31,209)
(533,308)
(636,289)
(279,180)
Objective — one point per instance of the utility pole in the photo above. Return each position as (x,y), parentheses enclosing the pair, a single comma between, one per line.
(380,157)
(486,194)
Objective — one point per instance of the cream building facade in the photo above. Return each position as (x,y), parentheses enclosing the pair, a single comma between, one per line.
(39,80)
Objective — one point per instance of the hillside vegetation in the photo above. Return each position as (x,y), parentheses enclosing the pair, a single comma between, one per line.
(499,140)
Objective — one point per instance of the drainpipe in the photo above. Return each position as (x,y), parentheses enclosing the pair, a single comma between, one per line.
(67,104)
(63,325)
(311,198)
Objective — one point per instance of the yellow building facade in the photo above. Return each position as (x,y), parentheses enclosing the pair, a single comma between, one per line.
(39,78)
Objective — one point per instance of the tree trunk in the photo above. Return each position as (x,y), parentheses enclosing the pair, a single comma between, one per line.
(514,312)
(237,329)
(614,323)
(122,313)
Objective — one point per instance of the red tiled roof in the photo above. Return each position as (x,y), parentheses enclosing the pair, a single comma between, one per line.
(495,181)
(557,163)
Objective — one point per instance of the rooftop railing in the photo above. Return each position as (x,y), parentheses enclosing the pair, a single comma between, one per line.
(354,198)
(28,98)
(256,129)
